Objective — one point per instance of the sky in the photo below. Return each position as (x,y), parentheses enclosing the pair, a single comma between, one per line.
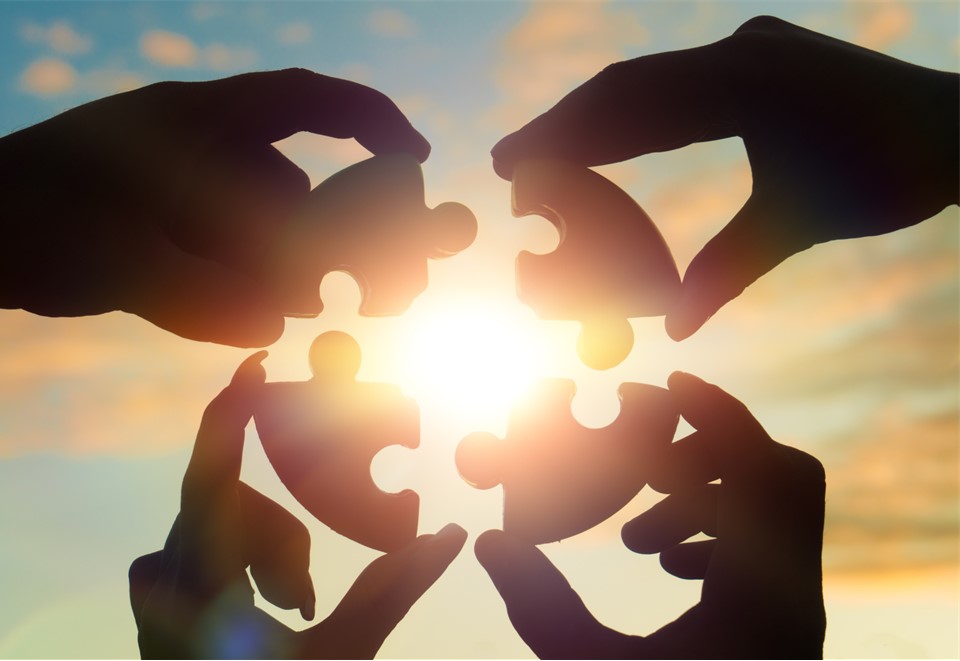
(848,351)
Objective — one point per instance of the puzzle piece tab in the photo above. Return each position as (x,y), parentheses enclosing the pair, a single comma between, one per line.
(560,478)
(369,220)
(321,435)
(611,264)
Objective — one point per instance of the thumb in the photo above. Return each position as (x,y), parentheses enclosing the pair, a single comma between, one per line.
(549,616)
(199,299)
(653,103)
(382,595)
(749,246)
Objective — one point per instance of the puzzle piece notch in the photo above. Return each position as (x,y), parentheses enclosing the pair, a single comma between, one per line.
(321,436)
(560,478)
(369,220)
(611,264)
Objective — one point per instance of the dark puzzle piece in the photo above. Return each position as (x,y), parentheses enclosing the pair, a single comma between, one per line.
(369,220)
(560,478)
(612,263)
(321,435)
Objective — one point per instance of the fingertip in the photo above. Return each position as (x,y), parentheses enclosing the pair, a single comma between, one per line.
(451,535)
(488,544)
(679,379)
(308,610)
(690,312)
(251,370)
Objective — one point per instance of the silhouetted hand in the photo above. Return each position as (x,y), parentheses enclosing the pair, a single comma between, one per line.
(762,589)
(163,201)
(842,141)
(193,599)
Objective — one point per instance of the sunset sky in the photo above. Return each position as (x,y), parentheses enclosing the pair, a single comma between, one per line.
(848,351)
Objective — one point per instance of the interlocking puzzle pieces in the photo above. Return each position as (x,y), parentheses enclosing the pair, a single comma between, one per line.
(560,478)
(611,264)
(321,435)
(369,220)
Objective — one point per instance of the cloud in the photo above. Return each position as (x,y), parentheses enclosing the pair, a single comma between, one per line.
(48,76)
(173,50)
(105,384)
(225,58)
(882,24)
(294,34)
(557,46)
(110,81)
(392,23)
(168,49)
(204,11)
(59,37)
(893,495)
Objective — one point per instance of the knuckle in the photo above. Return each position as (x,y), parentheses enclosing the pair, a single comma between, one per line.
(762,24)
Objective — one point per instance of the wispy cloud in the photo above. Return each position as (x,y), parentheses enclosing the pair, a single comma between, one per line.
(390,22)
(295,33)
(227,58)
(59,37)
(557,46)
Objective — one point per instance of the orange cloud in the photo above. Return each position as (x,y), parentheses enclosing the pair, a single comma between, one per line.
(168,49)
(557,46)
(883,24)
(59,37)
(48,76)
(893,495)
(109,384)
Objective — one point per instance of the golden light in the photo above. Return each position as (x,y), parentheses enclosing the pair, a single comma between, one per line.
(473,361)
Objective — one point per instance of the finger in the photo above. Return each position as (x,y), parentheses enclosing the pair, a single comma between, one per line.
(689,560)
(143,575)
(673,520)
(734,436)
(197,298)
(649,104)
(215,462)
(234,202)
(210,525)
(271,105)
(382,595)
(684,464)
(754,242)
(549,616)
(277,547)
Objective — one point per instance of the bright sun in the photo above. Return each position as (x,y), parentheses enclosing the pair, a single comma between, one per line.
(474,361)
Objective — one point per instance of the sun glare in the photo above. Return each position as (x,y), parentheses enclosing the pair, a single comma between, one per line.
(474,362)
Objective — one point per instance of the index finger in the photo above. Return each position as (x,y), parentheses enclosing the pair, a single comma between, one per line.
(215,462)
(649,104)
(268,106)
(210,550)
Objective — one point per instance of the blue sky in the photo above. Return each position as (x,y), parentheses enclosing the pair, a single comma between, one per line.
(849,351)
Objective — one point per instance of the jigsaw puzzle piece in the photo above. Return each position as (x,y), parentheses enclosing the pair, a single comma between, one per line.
(369,220)
(560,478)
(321,435)
(611,263)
